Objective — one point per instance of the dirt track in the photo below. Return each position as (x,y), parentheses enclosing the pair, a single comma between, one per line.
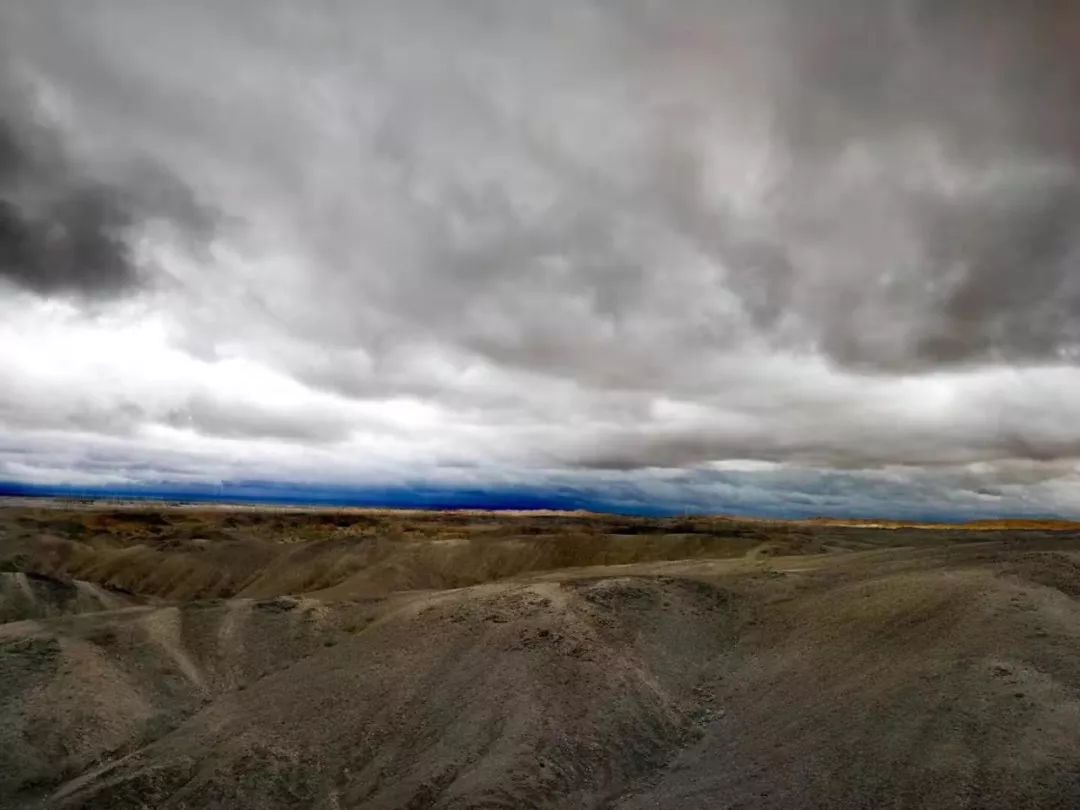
(465,661)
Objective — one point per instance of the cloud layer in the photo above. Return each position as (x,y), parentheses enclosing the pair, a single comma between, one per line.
(726,255)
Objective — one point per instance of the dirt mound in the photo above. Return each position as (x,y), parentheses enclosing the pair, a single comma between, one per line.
(593,689)
(847,667)
(38,596)
(80,689)
(184,554)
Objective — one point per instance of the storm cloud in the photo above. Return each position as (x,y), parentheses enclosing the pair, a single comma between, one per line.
(62,230)
(619,244)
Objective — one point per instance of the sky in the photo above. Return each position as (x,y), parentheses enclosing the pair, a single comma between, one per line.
(789,257)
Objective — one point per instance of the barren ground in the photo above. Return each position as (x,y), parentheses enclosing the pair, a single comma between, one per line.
(190,657)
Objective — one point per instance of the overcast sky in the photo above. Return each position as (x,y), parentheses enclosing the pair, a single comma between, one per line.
(798,256)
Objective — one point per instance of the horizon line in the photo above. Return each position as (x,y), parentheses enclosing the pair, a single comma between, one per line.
(506,501)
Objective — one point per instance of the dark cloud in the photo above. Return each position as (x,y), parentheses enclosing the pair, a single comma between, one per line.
(63,231)
(1015,294)
(58,234)
(973,260)
(858,245)
(983,75)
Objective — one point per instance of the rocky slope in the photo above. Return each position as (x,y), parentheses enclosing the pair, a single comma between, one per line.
(877,669)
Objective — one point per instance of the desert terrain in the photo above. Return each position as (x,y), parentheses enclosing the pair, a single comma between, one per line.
(229,657)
